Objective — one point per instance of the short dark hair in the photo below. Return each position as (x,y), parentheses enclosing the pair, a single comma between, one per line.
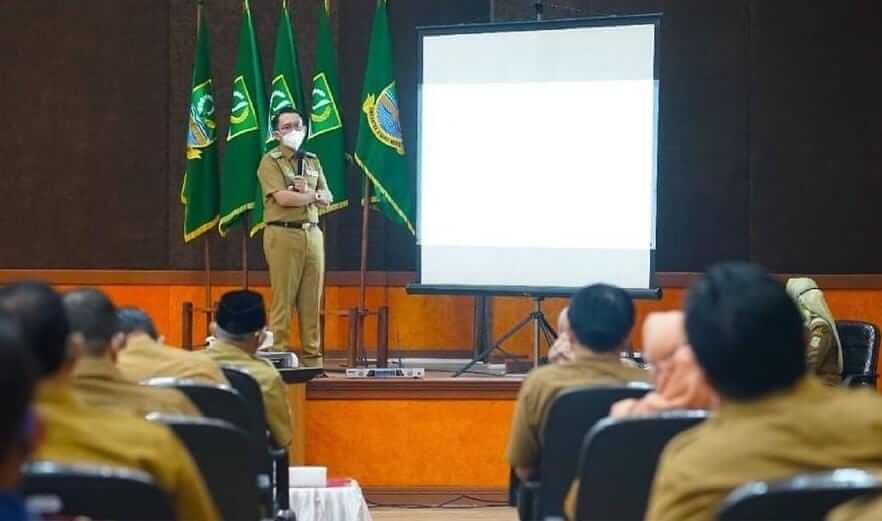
(17,381)
(39,311)
(132,319)
(274,120)
(746,332)
(601,317)
(92,315)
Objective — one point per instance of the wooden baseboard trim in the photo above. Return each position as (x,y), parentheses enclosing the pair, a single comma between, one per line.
(86,277)
(425,389)
(435,496)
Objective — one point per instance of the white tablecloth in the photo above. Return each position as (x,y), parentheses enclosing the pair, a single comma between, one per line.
(330,504)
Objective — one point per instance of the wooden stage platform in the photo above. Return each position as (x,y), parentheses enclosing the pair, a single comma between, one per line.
(421,441)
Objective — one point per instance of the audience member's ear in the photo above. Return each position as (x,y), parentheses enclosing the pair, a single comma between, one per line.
(75,342)
(117,344)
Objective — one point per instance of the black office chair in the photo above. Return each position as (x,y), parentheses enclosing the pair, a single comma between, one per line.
(806,497)
(618,461)
(93,491)
(222,402)
(223,454)
(275,460)
(860,352)
(572,414)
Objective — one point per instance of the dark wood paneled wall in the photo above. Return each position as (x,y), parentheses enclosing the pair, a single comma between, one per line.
(770,127)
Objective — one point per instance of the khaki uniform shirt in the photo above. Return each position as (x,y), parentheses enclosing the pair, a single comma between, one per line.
(76,433)
(275,396)
(772,438)
(543,385)
(822,354)
(276,172)
(868,508)
(144,358)
(98,383)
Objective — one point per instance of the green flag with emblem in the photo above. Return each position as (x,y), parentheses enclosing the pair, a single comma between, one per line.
(326,123)
(199,192)
(379,150)
(245,136)
(285,91)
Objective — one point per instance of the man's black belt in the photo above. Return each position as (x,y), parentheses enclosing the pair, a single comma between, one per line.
(292,224)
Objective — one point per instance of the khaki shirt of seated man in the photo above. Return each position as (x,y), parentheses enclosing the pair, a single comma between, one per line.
(543,384)
(788,432)
(275,396)
(143,358)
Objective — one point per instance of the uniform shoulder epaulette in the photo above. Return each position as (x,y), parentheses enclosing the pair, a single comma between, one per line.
(311,155)
(276,154)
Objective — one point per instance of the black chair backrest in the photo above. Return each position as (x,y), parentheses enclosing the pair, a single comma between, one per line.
(807,497)
(860,349)
(249,390)
(220,402)
(93,491)
(572,414)
(620,457)
(222,453)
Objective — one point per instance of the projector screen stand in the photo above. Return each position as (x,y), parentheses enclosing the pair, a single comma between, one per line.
(541,327)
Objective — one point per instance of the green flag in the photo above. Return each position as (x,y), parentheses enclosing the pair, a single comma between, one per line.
(200,188)
(326,123)
(379,150)
(245,137)
(285,91)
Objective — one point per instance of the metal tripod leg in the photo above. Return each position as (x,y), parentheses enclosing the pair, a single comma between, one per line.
(540,326)
(483,354)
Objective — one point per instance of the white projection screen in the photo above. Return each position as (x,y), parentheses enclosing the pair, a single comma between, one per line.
(537,154)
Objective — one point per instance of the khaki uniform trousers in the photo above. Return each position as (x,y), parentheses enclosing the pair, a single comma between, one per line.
(296,260)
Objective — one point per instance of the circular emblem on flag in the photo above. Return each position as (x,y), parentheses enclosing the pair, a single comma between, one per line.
(382,116)
(201,128)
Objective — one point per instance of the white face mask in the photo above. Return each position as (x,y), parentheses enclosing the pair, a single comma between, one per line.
(294,139)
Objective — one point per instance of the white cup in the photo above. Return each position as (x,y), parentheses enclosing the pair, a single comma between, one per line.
(307,477)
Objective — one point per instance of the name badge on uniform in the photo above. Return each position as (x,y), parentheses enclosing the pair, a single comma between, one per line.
(310,169)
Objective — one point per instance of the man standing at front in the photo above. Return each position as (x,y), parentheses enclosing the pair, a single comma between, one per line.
(294,189)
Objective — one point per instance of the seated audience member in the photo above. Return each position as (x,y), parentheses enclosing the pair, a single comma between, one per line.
(143,356)
(76,433)
(19,428)
(679,382)
(238,331)
(773,420)
(96,379)
(600,318)
(560,351)
(823,348)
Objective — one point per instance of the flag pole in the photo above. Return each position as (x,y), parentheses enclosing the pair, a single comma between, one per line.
(362,286)
(206,243)
(245,252)
(206,251)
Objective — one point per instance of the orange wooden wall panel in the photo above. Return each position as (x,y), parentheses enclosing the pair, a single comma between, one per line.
(391,443)
(421,322)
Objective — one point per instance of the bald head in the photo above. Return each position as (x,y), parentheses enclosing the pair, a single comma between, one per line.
(663,333)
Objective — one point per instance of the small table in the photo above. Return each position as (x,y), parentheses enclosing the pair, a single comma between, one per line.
(341,500)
